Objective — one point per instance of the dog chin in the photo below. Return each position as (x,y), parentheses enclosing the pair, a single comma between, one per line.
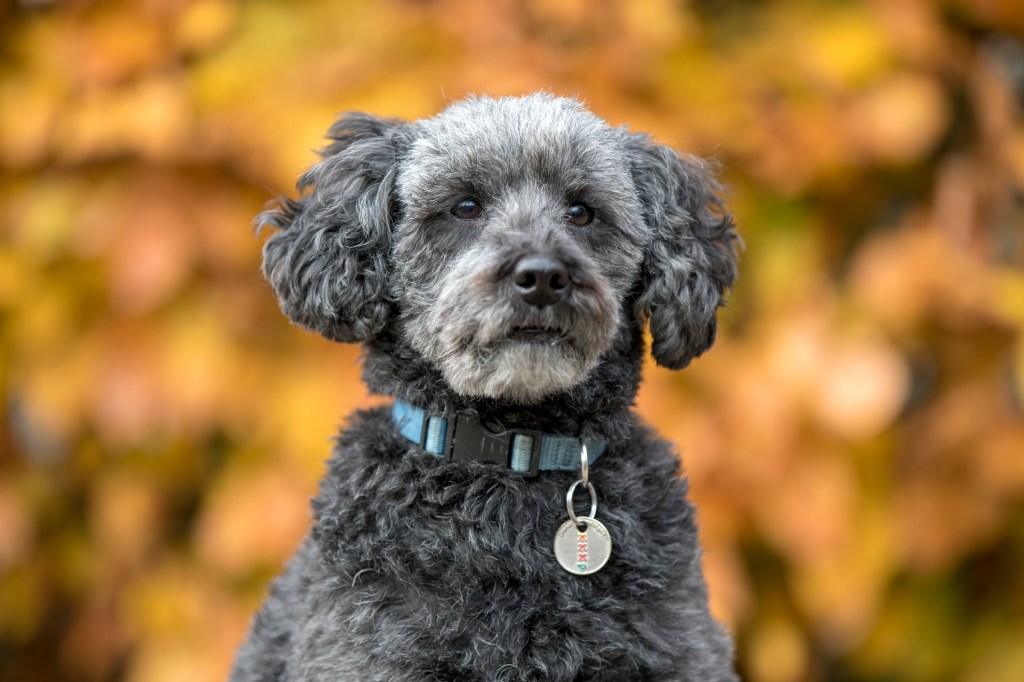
(518,371)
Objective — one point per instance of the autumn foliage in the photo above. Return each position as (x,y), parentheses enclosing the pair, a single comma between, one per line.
(855,440)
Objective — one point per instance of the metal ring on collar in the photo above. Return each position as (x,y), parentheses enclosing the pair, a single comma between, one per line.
(593,502)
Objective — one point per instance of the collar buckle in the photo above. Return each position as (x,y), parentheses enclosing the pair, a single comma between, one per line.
(476,440)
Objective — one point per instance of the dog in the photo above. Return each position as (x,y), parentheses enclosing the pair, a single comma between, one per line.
(499,263)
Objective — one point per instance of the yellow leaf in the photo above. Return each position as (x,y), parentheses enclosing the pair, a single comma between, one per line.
(124,516)
(29,109)
(777,652)
(205,24)
(842,48)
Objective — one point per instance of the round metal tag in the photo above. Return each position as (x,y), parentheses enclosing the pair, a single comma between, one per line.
(583,553)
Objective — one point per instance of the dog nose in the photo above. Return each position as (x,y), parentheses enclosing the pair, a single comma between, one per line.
(541,280)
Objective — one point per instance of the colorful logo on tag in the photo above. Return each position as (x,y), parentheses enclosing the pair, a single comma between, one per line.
(581,551)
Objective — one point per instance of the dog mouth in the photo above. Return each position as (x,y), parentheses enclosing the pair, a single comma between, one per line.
(536,334)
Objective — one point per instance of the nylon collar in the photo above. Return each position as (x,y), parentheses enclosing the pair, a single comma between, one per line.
(465,438)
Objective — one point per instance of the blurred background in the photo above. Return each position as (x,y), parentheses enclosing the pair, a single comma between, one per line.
(855,440)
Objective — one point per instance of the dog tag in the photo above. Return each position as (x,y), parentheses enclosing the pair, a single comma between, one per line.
(583,552)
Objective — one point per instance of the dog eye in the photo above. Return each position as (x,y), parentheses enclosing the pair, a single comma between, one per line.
(580,214)
(467,209)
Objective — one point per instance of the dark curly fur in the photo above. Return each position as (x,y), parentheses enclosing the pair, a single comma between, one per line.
(421,569)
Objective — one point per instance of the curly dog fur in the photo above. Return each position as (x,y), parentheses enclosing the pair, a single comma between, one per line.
(418,568)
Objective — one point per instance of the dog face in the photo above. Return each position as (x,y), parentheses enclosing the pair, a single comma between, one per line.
(510,238)
(520,236)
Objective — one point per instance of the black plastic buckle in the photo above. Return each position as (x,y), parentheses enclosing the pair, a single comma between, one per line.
(471,440)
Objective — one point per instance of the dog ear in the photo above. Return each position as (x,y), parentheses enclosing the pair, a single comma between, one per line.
(328,260)
(691,258)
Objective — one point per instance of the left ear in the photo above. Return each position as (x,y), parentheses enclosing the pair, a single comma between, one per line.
(328,260)
(691,258)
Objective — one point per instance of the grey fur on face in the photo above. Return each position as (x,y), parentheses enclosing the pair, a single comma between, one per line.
(526,162)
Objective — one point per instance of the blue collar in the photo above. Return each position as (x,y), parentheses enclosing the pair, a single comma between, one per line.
(465,437)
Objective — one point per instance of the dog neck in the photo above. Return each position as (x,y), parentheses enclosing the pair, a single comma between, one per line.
(597,407)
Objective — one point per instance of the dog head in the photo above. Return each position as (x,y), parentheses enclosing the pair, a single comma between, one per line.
(508,240)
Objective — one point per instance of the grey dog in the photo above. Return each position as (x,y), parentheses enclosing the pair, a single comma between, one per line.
(498,262)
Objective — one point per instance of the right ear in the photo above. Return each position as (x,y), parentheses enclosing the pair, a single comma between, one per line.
(328,260)
(691,259)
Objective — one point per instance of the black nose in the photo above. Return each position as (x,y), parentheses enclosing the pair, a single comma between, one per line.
(541,280)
